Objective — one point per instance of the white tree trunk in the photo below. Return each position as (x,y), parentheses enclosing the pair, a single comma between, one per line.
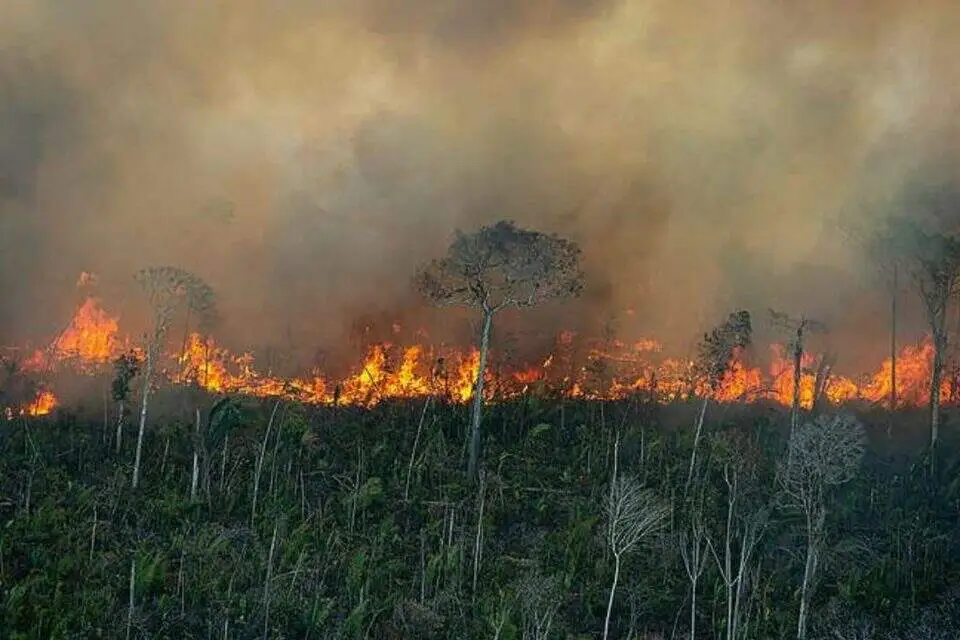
(147,375)
(195,476)
(613,591)
(477,412)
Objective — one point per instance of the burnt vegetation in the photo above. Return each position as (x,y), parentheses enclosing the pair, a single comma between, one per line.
(636,518)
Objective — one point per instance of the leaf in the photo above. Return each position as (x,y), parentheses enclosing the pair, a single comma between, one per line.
(540,428)
(222,419)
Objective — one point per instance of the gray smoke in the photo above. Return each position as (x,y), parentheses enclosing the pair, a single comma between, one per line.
(304,158)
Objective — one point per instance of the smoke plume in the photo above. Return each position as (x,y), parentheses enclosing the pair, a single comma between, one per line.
(303,157)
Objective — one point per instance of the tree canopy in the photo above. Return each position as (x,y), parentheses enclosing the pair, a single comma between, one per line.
(502,265)
(168,288)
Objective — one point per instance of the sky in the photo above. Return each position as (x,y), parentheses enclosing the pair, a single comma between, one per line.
(304,157)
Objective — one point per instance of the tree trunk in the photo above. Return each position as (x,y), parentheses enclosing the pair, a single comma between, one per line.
(119,438)
(195,476)
(223,460)
(805,593)
(696,441)
(815,525)
(797,364)
(613,591)
(936,380)
(477,412)
(728,553)
(693,609)
(147,375)
(893,348)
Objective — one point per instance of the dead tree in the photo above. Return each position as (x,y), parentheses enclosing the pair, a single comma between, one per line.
(821,455)
(168,289)
(734,547)
(882,249)
(923,240)
(935,270)
(801,328)
(496,267)
(540,599)
(632,513)
(821,382)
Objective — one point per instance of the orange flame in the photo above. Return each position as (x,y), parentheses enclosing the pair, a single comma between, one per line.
(44,403)
(92,339)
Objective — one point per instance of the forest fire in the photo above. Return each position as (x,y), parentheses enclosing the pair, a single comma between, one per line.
(92,341)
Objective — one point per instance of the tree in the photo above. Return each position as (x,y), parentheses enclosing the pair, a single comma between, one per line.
(821,455)
(881,250)
(491,269)
(716,352)
(918,240)
(168,289)
(743,527)
(930,251)
(126,366)
(801,327)
(632,513)
(540,598)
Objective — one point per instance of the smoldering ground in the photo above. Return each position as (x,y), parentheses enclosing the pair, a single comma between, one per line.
(304,157)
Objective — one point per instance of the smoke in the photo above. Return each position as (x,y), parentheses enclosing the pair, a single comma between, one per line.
(304,157)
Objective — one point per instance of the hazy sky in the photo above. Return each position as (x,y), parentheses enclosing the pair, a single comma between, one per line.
(304,158)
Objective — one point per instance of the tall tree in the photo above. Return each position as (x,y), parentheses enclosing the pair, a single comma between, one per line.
(496,267)
(168,289)
(924,239)
(883,254)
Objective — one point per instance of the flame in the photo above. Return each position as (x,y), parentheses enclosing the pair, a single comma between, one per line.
(44,403)
(90,339)
(613,370)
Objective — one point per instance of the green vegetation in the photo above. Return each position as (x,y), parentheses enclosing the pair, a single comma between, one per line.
(299,527)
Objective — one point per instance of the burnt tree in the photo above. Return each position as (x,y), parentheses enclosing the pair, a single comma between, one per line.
(880,249)
(925,240)
(936,271)
(493,268)
(801,328)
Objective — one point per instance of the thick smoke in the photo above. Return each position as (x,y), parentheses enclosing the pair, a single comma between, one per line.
(304,158)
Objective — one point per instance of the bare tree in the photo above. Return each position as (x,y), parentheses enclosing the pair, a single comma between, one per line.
(168,289)
(822,455)
(496,267)
(716,352)
(743,528)
(922,241)
(801,328)
(540,599)
(632,513)
(881,249)
(693,552)
(935,269)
